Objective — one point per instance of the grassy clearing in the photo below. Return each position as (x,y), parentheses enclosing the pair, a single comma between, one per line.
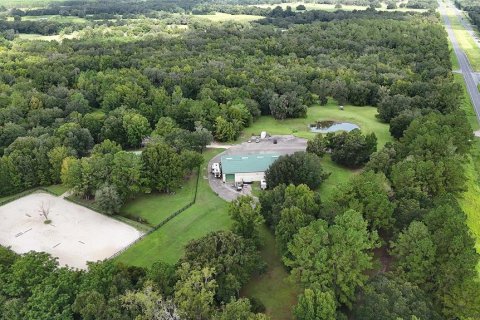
(330,7)
(465,40)
(154,208)
(338,176)
(220,17)
(57,189)
(55,37)
(272,287)
(364,117)
(208,214)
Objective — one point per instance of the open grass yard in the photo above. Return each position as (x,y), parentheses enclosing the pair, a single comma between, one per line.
(220,16)
(155,207)
(57,189)
(272,288)
(364,117)
(208,214)
(338,175)
(465,40)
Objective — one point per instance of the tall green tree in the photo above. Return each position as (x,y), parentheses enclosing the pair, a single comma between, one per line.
(195,291)
(316,305)
(246,216)
(333,257)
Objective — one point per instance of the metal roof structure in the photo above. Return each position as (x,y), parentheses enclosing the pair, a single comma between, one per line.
(247,163)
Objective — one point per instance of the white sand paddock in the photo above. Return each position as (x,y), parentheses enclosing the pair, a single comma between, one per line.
(75,235)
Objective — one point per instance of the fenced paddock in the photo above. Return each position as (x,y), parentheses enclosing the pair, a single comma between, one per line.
(75,235)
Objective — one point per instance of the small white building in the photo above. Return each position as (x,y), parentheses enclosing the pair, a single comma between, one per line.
(246,168)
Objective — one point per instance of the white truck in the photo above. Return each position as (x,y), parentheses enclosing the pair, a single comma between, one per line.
(216,170)
(263,184)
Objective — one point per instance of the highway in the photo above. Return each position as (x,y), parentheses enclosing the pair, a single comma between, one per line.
(465,68)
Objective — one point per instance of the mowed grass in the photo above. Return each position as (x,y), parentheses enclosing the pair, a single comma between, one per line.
(57,189)
(155,207)
(465,40)
(272,288)
(208,214)
(220,17)
(364,117)
(467,105)
(338,176)
(453,57)
(25,3)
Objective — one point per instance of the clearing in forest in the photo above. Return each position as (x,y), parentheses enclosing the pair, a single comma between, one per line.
(75,234)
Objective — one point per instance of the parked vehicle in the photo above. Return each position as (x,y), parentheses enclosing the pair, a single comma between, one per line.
(216,170)
(263,184)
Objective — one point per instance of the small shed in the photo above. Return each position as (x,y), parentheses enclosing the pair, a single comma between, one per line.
(252,167)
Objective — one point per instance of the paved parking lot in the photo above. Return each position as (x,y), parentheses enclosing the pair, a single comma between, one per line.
(285,145)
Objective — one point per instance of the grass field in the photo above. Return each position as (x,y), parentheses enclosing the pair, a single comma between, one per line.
(154,208)
(465,40)
(338,175)
(272,287)
(364,117)
(330,7)
(208,214)
(57,189)
(220,17)
(25,3)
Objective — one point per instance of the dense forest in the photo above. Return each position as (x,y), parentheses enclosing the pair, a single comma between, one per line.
(472,8)
(390,244)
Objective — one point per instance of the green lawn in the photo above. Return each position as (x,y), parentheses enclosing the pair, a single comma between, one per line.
(453,57)
(465,40)
(154,208)
(208,214)
(57,189)
(220,17)
(272,287)
(364,117)
(338,175)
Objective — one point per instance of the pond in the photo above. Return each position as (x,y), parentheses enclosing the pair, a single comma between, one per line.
(332,126)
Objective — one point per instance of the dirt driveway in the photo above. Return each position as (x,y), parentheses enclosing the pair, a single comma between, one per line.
(285,145)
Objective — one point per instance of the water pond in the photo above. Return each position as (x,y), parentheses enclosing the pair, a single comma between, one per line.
(332,126)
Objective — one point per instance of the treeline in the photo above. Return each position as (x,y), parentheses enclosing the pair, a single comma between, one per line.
(38,27)
(204,284)
(472,8)
(91,90)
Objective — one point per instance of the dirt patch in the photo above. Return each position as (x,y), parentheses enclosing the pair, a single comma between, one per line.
(75,234)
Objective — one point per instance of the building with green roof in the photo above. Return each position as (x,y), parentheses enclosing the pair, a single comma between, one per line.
(246,168)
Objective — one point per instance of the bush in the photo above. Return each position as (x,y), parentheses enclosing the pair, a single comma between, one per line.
(107,199)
